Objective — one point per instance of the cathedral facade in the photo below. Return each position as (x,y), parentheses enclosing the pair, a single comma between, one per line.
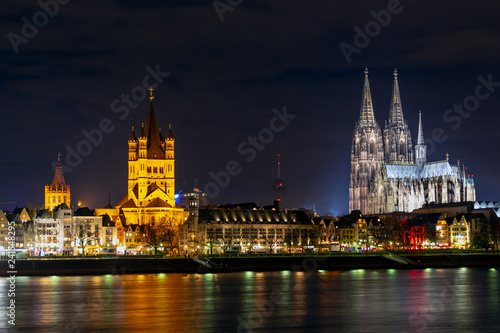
(388,174)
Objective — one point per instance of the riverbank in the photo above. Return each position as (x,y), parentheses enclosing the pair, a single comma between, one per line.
(127,265)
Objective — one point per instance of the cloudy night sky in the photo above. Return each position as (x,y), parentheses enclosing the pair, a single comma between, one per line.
(226,77)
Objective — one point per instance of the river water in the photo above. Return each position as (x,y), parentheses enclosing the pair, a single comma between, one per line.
(362,300)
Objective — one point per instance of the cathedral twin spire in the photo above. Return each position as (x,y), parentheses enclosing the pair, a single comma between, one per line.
(397,138)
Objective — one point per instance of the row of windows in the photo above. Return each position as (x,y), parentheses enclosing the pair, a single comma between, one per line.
(149,169)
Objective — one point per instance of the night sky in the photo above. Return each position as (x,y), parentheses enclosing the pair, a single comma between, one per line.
(226,77)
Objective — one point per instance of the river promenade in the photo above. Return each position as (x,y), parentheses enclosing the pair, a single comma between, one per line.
(134,265)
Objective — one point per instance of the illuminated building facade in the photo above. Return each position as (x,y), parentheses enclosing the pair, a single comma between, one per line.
(222,230)
(387,175)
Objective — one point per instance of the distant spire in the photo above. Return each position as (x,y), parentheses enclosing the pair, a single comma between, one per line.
(420,148)
(151,97)
(279,184)
(132,135)
(58,182)
(154,149)
(278,166)
(366,117)
(396,111)
(143,132)
(420,140)
(170,135)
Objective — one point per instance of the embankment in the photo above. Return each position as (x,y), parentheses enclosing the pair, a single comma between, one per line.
(127,265)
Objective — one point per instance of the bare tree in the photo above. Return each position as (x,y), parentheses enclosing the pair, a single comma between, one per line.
(171,235)
(84,236)
(155,235)
(272,242)
(495,233)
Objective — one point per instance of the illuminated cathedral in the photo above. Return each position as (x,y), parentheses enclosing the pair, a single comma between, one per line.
(150,196)
(388,175)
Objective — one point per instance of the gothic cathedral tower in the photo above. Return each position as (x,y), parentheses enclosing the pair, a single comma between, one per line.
(397,137)
(367,152)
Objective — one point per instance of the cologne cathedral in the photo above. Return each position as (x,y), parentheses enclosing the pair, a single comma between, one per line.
(388,174)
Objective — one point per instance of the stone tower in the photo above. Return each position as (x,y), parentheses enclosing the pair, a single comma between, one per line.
(367,152)
(58,192)
(397,137)
(151,163)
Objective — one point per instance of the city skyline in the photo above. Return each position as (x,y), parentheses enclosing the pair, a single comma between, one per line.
(221,82)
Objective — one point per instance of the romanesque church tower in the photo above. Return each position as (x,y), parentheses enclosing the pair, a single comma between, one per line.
(150,197)
(397,137)
(367,153)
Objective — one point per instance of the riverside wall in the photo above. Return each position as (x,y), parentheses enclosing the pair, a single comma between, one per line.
(127,265)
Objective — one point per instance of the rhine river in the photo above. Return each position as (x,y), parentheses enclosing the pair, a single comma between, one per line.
(363,300)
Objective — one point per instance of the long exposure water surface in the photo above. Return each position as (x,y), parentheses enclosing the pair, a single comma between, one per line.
(430,300)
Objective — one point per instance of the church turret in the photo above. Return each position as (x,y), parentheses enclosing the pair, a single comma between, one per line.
(367,153)
(132,146)
(420,148)
(170,159)
(143,143)
(397,137)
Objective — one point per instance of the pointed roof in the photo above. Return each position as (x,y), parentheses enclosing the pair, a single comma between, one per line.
(396,111)
(366,117)
(58,183)
(153,135)
(129,204)
(420,140)
(142,135)
(132,135)
(108,206)
(170,135)
(157,202)
(161,136)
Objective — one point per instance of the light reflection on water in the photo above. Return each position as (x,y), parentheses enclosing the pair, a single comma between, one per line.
(430,300)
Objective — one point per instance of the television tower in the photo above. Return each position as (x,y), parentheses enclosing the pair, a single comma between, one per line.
(278,185)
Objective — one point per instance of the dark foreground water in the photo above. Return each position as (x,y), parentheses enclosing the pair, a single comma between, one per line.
(430,300)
